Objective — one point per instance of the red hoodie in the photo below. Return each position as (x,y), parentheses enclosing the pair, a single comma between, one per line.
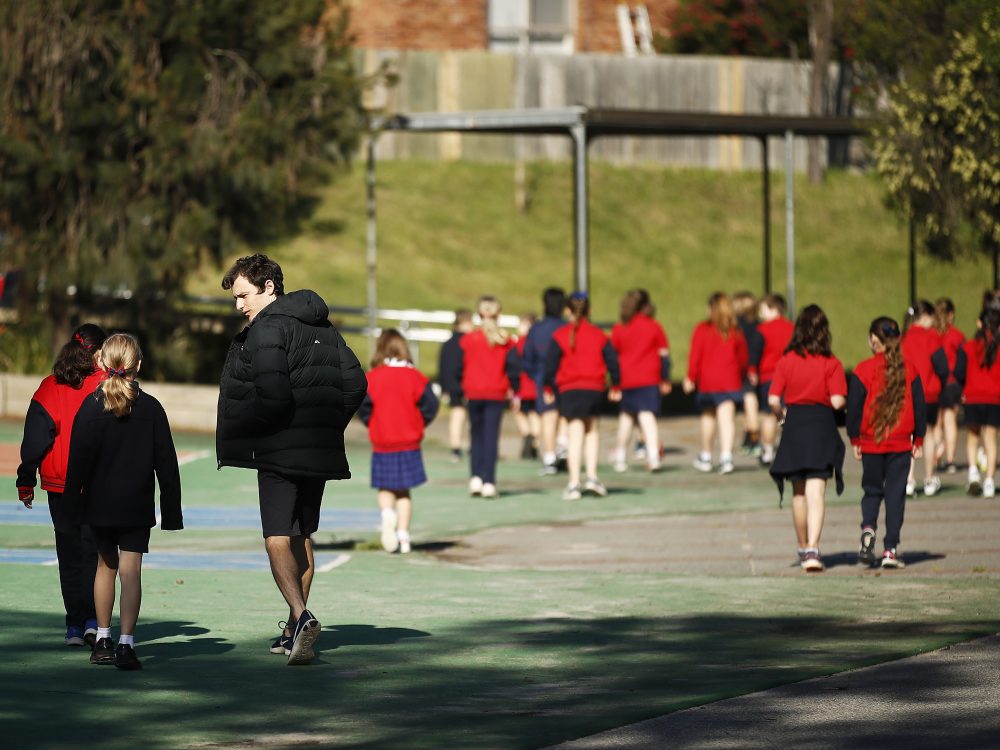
(639,343)
(716,364)
(776,334)
(867,382)
(919,345)
(396,422)
(484,367)
(47,431)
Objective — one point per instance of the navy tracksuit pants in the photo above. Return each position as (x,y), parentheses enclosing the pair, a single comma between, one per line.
(884,477)
(484,429)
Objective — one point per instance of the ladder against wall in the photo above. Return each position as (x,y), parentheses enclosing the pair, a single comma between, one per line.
(635,30)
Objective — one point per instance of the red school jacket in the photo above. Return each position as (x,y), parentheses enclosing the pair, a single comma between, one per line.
(776,334)
(639,343)
(952,341)
(919,345)
(866,384)
(581,358)
(48,427)
(484,367)
(980,385)
(398,405)
(716,364)
(808,379)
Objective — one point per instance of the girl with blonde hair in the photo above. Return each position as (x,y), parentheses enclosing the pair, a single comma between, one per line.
(121,442)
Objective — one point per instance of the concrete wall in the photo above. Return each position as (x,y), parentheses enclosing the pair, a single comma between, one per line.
(188,407)
(454,81)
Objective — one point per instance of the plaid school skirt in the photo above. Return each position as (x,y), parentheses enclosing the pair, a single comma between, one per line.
(399,470)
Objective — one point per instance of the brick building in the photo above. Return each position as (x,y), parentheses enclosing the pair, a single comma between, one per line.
(545,26)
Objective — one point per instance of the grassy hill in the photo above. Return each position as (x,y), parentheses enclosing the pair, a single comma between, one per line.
(449,232)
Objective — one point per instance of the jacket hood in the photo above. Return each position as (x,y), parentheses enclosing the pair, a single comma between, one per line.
(305,305)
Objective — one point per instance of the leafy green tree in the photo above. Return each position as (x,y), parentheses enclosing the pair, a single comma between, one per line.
(779,28)
(937,144)
(139,139)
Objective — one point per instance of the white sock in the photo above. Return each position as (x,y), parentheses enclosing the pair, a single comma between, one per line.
(128,640)
(705,457)
(725,458)
(403,536)
(388,512)
(548,458)
(103,633)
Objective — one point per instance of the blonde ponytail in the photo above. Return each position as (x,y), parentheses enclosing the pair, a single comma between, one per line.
(489,311)
(120,357)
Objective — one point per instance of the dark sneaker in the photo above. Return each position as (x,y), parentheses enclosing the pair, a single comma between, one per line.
(125,658)
(283,643)
(104,652)
(74,636)
(303,637)
(812,562)
(866,552)
(90,633)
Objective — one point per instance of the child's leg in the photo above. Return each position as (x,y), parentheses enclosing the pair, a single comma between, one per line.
(625,424)
(707,431)
(972,445)
(390,520)
(456,426)
(816,510)
(895,496)
(990,443)
(949,426)
(104,588)
(768,431)
(751,413)
(800,516)
(591,446)
(523,426)
(575,433)
(130,574)
(873,477)
(726,414)
(651,436)
(550,424)
(534,426)
(404,510)
(930,454)
(477,438)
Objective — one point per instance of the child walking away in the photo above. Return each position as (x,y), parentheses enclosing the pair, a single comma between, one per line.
(399,404)
(946,434)
(121,439)
(579,361)
(48,426)
(886,422)
(978,370)
(644,358)
(745,309)
(717,362)
(488,377)
(536,349)
(449,378)
(811,383)
(525,400)
(775,332)
(921,341)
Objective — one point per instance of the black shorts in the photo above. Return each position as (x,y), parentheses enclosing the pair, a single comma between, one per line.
(529,405)
(978,415)
(932,414)
(801,476)
(580,404)
(951,396)
(111,539)
(289,506)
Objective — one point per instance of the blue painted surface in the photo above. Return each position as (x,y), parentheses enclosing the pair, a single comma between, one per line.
(210,518)
(171,560)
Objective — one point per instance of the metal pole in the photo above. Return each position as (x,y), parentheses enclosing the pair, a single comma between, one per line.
(766,176)
(581,223)
(913,261)
(372,248)
(790,220)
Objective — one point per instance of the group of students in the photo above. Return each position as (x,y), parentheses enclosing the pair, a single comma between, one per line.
(98,441)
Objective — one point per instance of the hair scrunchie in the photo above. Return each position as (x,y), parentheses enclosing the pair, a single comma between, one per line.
(112,372)
(82,342)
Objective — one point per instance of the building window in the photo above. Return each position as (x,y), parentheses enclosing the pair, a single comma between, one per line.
(541,26)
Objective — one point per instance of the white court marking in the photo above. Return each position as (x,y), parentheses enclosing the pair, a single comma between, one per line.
(190,458)
(334,563)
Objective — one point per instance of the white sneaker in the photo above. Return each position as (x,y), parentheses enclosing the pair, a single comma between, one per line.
(404,542)
(981,459)
(619,461)
(975,487)
(489,490)
(390,542)
(572,492)
(475,486)
(911,488)
(702,464)
(593,486)
(932,486)
(654,465)
(726,467)
(989,488)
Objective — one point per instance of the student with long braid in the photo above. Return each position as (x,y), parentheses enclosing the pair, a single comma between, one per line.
(977,368)
(886,422)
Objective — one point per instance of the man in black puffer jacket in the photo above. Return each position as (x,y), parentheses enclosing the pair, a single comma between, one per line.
(289,387)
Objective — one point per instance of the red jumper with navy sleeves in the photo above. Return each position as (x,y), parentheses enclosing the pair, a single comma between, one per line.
(981,385)
(717,364)
(395,395)
(527,389)
(581,357)
(808,379)
(641,345)
(776,334)
(919,345)
(866,384)
(484,367)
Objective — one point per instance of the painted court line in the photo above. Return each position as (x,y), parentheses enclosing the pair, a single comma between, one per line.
(189,458)
(251,561)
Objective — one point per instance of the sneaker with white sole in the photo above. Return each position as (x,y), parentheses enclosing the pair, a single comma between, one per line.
(74,636)
(866,551)
(489,490)
(303,639)
(702,464)
(390,542)
(891,560)
(989,488)
(283,643)
(654,465)
(981,459)
(572,492)
(726,467)
(911,488)
(618,460)
(975,486)
(475,486)
(593,486)
(404,542)
(932,486)
(812,563)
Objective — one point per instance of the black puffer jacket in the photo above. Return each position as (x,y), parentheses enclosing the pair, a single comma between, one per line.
(289,387)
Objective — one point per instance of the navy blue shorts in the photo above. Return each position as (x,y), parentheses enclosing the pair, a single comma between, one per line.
(951,396)
(644,398)
(399,470)
(529,405)
(111,539)
(580,404)
(978,415)
(763,390)
(711,401)
(932,414)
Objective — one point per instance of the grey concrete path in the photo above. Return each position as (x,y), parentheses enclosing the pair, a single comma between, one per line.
(948,698)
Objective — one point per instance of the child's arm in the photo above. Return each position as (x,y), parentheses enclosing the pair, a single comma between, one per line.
(428,404)
(513,367)
(919,415)
(961,366)
(168,474)
(364,411)
(857,394)
(39,435)
(939,361)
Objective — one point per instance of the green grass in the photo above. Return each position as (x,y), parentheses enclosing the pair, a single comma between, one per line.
(449,232)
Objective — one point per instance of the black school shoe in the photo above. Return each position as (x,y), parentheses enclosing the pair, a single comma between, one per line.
(125,658)
(304,635)
(104,652)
